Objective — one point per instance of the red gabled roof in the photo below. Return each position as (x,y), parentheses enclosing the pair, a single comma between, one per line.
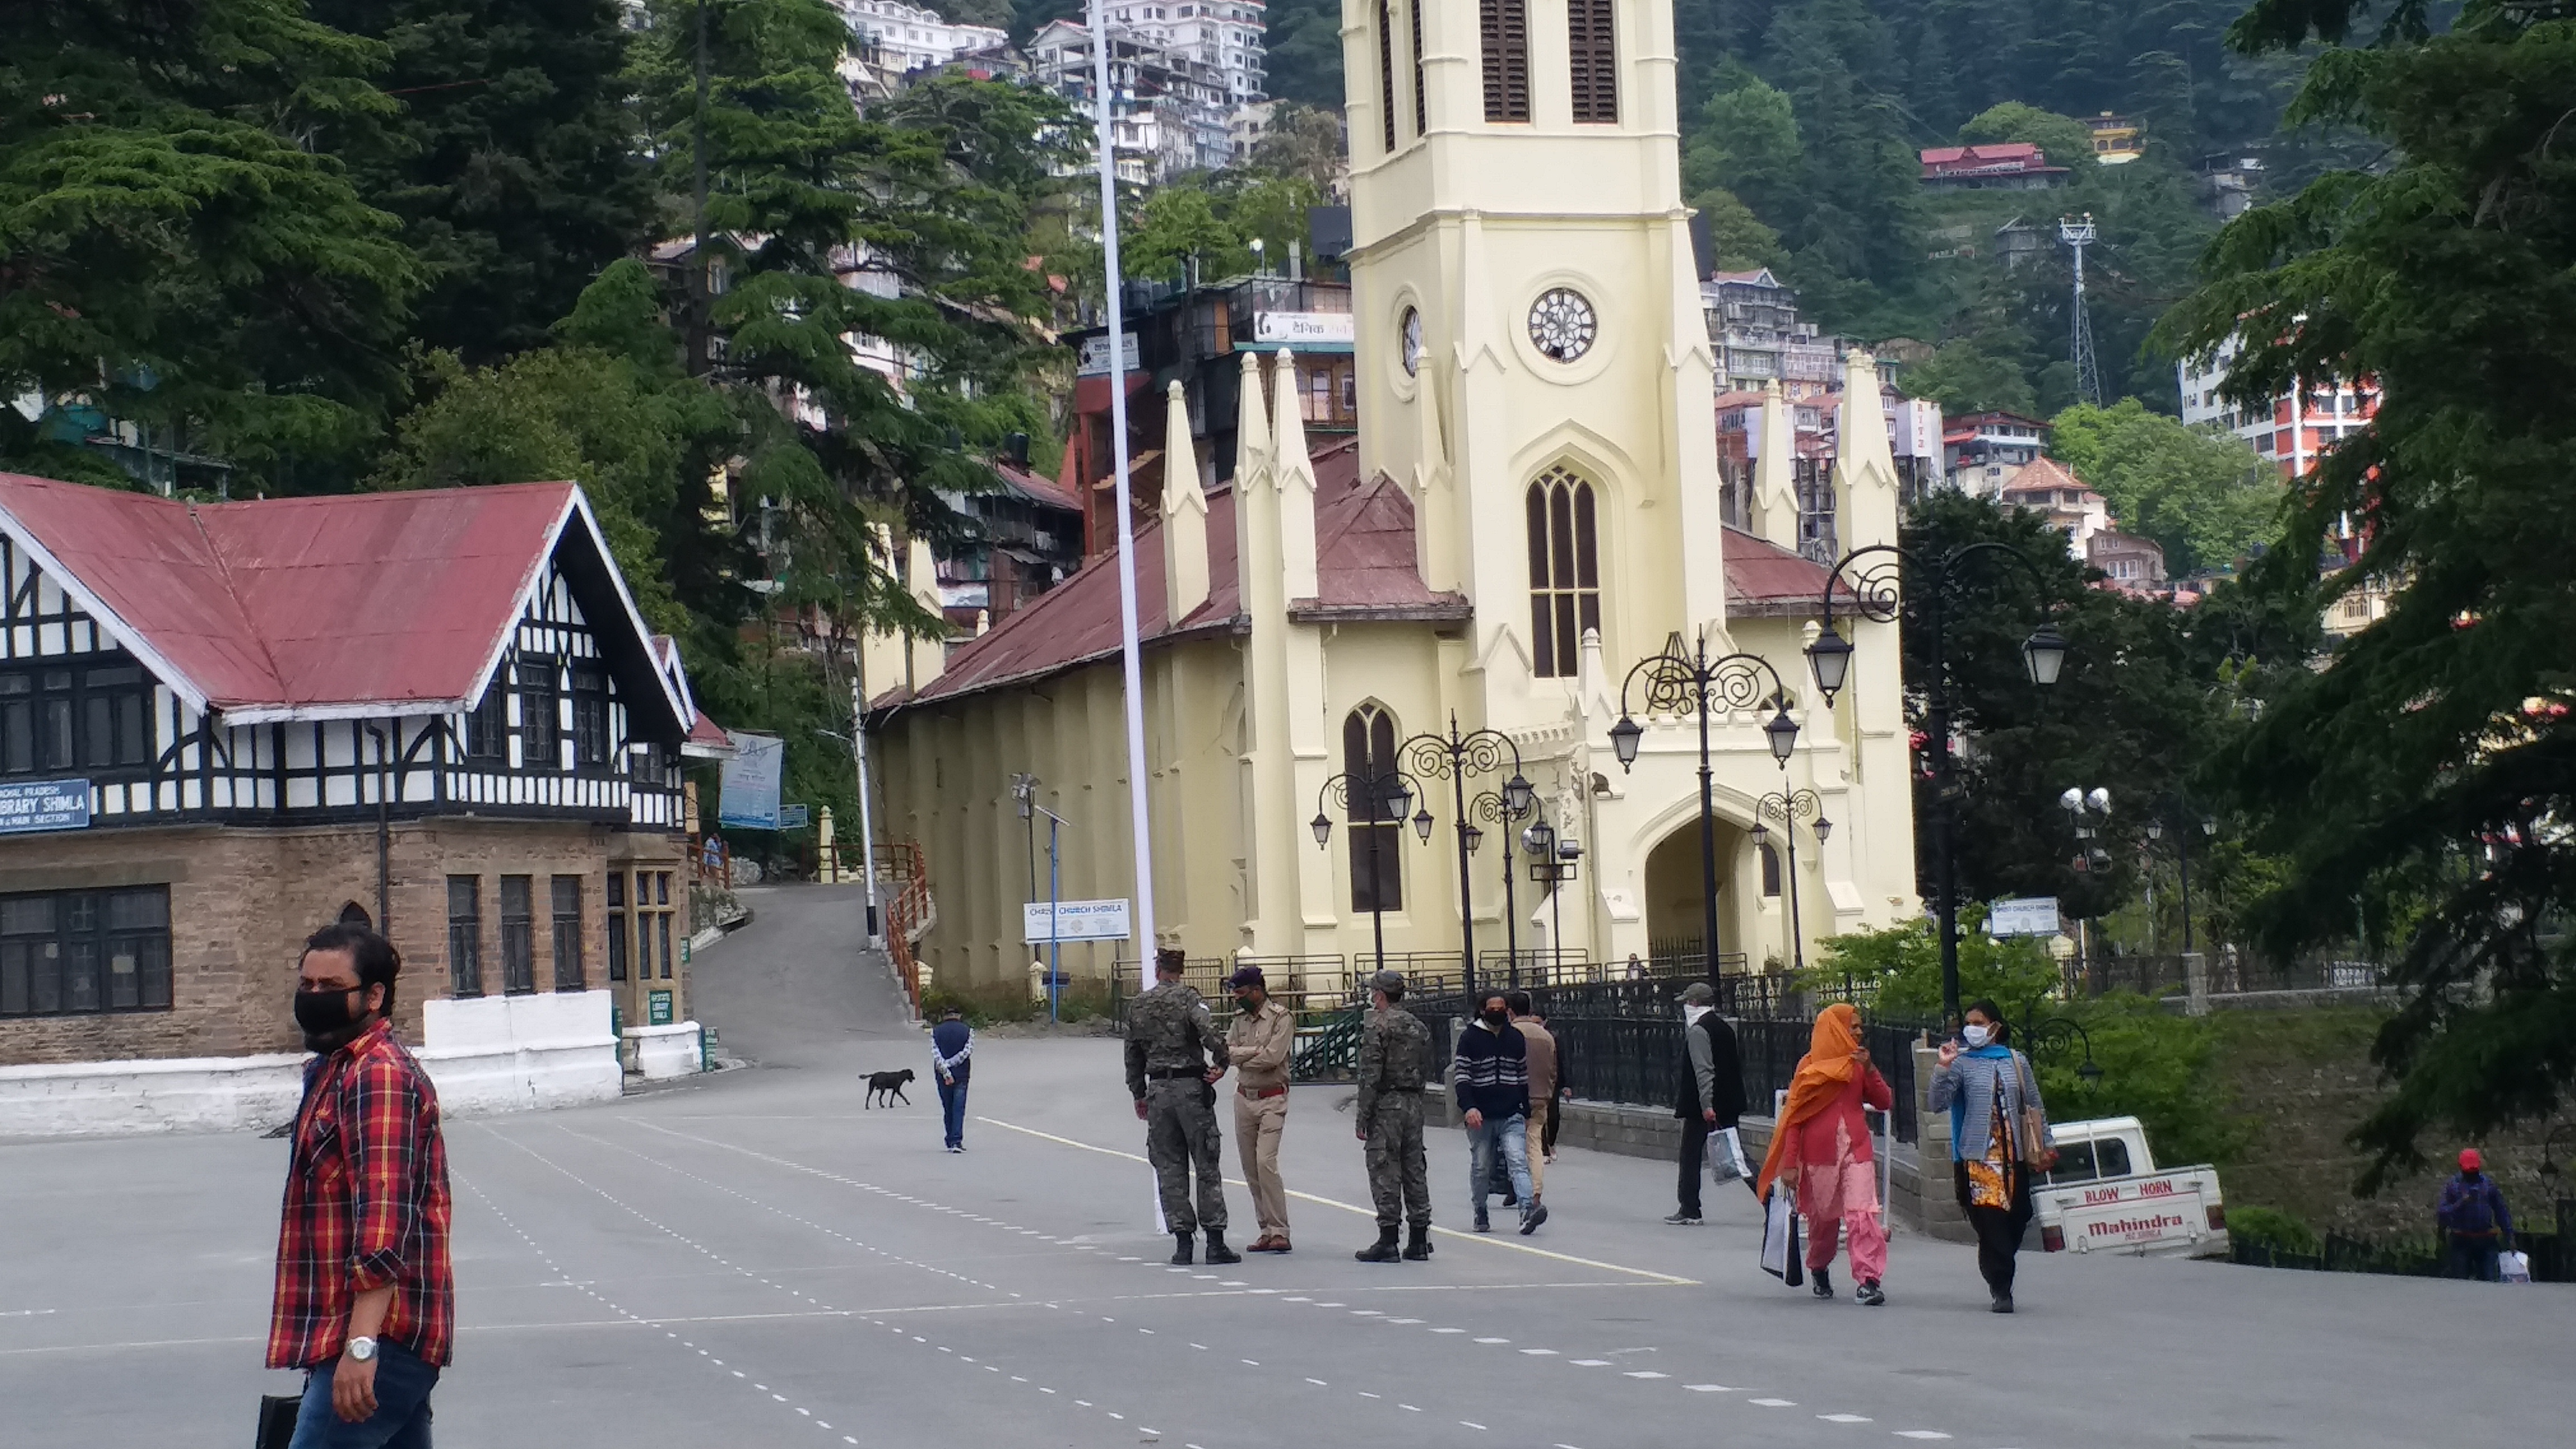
(370,603)
(1762,578)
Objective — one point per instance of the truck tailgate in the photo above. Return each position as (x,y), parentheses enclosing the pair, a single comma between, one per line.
(2157,1210)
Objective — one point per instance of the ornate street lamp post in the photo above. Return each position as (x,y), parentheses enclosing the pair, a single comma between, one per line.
(1489,805)
(1554,860)
(1676,681)
(1387,795)
(1874,595)
(1789,808)
(1453,757)
(2182,861)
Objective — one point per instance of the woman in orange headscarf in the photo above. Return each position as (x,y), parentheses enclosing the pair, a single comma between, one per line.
(1821,1145)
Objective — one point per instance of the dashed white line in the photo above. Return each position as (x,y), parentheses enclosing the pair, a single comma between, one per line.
(1785,1404)
(1645,1374)
(1843,1418)
(1920,1434)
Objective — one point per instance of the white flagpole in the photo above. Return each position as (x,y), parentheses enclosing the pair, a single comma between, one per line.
(1129,653)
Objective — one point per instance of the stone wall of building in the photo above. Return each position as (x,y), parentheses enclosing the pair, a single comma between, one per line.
(242,900)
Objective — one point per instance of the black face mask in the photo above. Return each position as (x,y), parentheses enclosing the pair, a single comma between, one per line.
(1498,1019)
(327,1021)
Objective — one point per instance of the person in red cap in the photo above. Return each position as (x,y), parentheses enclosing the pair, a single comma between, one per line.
(2474,1220)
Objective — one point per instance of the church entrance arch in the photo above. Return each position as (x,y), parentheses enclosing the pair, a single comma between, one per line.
(1676,888)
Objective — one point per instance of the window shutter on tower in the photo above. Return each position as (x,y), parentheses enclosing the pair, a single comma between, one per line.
(1503,31)
(1386,72)
(1421,108)
(1593,61)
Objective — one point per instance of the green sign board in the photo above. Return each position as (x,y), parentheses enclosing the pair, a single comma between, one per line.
(657,1008)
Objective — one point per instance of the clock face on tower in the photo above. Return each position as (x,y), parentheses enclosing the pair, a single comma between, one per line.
(1562,324)
(1412,342)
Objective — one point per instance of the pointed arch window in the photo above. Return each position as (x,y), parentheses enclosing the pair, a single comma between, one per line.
(1386,72)
(1565,572)
(1592,54)
(1376,828)
(1502,32)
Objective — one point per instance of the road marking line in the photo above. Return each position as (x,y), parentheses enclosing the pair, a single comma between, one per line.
(1493,1340)
(1488,1241)
(1472,1424)
(1540,1352)
(1785,1404)
(1843,1418)
(1645,1374)
(1589,1362)
(1920,1434)
(1708,1388)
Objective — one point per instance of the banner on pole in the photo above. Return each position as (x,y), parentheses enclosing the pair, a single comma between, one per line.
(1075,921)
(750,782)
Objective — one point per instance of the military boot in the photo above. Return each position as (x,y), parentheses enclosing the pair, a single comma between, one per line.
(1181,1253)
(1217,1251)
(1417,1242)
(1382,1251)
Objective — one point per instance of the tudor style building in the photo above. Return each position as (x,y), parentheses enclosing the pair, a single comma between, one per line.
(223,725)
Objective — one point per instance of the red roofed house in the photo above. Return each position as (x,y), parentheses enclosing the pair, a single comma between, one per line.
(1999,166)
(225,725)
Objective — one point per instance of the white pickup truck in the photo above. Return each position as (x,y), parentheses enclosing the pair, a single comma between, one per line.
(2105,1195)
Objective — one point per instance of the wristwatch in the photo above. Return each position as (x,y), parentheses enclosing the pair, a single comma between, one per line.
(362,1349)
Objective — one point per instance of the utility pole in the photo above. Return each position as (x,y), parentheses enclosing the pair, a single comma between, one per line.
(2078,233)
(698,290)
(867,823)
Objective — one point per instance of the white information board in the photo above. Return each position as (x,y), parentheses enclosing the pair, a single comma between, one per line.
(1075,921)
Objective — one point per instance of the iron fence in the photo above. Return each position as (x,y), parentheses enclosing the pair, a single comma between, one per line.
(1638,1060)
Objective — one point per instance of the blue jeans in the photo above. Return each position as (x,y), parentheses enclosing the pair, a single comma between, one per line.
(2476,1258)
(1510,1136)
(401,1419)
(952,1111)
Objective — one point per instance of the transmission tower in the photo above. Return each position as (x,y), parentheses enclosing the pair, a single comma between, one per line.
(2077,233)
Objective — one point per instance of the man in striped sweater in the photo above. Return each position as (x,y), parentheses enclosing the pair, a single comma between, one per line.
(1491,1077)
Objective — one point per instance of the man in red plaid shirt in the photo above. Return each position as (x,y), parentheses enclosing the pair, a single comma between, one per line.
(366,1300)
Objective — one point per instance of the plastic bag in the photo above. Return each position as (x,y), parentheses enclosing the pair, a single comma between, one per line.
(2514,1265)
(1726,1156)
(1780,1256)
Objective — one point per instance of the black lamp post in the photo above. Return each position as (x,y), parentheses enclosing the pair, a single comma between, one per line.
(1676,681)
(1789,808)
(2182,862)
(1490,805)
(1554,860)
(2056,1028)
(1875,596)
(1388,795)
(1453,757)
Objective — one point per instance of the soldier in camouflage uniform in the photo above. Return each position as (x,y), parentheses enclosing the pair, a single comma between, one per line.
(1174,1056)
(1395,1050)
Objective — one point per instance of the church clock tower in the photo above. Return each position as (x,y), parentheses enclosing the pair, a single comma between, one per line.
(1533,360)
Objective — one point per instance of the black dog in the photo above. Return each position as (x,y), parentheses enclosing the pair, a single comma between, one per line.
(888,1085)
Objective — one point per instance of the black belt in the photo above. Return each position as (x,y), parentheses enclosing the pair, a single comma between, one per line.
(1174,1074)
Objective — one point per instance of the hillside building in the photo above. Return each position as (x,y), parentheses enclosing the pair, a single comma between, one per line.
(2001,166)
(2295,431)
(1753,324)
(895,39)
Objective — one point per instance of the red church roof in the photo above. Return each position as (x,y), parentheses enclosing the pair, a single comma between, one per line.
(1365,569)
(365,604)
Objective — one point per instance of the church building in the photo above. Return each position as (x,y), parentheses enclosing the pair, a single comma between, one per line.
(1531,506)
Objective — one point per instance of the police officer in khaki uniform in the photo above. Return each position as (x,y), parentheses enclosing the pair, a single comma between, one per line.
(1174,1056)
(1261,1040)
(1395,1050)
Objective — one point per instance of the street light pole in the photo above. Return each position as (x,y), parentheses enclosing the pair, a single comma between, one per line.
(1876,597)
(1676,681)
(1453,757)
(1490,805)
(1789,808)
(1387,787)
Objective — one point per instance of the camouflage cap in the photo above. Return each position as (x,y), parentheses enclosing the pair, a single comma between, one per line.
(1388,980)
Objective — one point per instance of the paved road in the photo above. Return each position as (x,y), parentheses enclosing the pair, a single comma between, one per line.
(754,1258)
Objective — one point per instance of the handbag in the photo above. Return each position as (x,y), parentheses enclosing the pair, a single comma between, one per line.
(2031,1127)
(1780,1256)
(1726,1156)
(277,1419)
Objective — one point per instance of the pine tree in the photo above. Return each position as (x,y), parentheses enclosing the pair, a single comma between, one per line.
(178,248)
(512,161)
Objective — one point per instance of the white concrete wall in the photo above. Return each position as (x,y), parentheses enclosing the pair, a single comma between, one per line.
(492,1054)
(676,1050)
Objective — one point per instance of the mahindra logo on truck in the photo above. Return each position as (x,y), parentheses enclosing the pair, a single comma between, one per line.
(2122,1227)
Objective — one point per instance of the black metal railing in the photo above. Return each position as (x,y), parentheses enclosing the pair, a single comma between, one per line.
(1639,1060)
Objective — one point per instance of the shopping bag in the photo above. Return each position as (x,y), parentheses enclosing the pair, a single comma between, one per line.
(2514,1265)
(277,1419)
(1780,1256)
(1726,1156)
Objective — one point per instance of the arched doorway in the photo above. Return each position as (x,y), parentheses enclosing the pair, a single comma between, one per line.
(1676,890)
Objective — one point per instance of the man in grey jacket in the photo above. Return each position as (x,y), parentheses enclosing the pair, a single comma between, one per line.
(1708,1090)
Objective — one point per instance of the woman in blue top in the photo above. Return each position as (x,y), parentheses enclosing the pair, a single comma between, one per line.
(1985,1084)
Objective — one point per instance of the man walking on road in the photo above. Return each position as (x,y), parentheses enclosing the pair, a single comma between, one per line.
(1491,1077)
(1259,1040)
(1540,1045)
(2476,1225)
(365,1299)
(952,1044)
(1395,1050)
(1708,1091)
(1175,1055)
